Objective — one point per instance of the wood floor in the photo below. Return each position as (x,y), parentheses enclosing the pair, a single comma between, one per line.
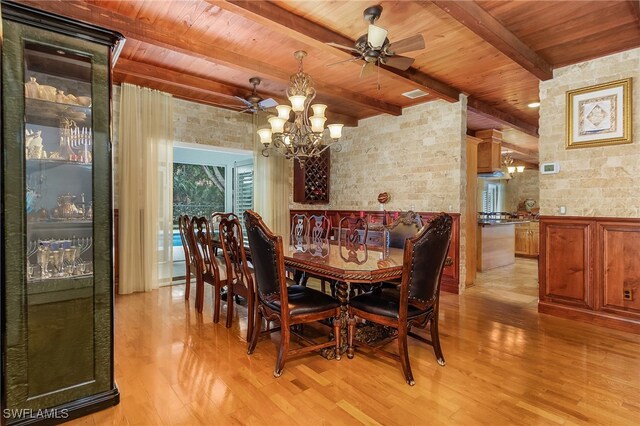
(506,364)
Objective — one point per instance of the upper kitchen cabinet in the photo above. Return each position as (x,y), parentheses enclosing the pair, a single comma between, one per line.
(489,155)
(56,222)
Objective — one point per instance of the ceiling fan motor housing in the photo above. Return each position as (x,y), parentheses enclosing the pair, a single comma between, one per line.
(371,14)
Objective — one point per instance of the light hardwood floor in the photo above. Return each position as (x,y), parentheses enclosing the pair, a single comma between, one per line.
(506,364)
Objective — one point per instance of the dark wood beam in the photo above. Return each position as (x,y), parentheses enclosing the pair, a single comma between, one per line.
(526,151)
(634,5)
(473,16)
(297,27)
(198,89)
(172,40)
(501,117)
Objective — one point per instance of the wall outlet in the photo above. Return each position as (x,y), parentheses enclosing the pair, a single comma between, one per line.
(562,210)
(627,294)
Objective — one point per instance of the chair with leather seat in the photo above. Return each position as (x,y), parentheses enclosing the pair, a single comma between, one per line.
(290,305)
(239,274)
(210,269)
(415,302)
(184,227)
(405,226)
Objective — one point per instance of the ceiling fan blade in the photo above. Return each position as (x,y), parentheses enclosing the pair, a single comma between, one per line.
(409,44)
(400,62)
(367,69)
(346,60)
(376,36)
(267,103)
(244,101)
(341,46)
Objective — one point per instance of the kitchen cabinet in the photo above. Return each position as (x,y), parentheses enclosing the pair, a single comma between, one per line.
(57,280)
(527,239)
(489,150)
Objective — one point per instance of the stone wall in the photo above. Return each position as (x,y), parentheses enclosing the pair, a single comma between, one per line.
(419,158)
(520,187)
(195,123)
(599,181)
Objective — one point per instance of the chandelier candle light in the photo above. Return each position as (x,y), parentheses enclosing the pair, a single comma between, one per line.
(304,137)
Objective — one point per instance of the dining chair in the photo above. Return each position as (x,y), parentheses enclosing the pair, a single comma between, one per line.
(210,269)
(352,230)
(405,226)
(415,302)
(299,228)
(216,217)
(319,233)
(288,304)
(184,226)
(239,274)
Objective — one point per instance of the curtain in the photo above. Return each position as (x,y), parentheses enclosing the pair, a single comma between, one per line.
(270,183)
(146,188)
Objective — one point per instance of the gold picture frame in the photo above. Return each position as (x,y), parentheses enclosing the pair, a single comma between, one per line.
(599,115)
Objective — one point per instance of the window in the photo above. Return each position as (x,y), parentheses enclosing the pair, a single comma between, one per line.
(243,190)
(198,190)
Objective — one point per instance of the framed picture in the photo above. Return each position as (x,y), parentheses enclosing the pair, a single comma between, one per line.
(599,115)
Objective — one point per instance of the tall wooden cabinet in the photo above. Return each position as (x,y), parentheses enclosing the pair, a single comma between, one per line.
(56,224)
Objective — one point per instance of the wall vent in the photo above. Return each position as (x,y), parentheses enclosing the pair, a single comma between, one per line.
(415,94)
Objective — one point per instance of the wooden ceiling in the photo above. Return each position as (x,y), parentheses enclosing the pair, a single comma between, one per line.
(496,52)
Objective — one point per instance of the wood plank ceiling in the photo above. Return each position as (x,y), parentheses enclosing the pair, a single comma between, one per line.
(496,52)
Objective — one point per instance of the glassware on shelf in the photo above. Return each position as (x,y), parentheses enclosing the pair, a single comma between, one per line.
(43,261)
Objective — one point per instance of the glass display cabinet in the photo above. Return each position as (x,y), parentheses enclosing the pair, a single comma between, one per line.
(57,279)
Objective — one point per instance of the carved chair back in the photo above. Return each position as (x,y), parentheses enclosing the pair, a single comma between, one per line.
(405,226)
(267,257)
(216,218)
(319,227)
(423,262)
(235,258)
(203,247)
(299,229)
(184,226)
(352,231)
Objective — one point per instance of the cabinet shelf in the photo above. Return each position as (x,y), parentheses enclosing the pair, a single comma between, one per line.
(48,113)
(50,163)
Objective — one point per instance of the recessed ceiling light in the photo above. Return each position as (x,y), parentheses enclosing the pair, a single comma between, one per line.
(415,94)
(534,105)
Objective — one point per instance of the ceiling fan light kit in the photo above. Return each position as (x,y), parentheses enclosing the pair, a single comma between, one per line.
(375,48)
(304,137)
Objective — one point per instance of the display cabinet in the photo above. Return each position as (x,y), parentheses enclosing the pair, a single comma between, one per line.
(311,181)
(57,279)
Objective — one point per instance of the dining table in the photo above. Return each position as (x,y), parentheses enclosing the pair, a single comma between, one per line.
(345,264)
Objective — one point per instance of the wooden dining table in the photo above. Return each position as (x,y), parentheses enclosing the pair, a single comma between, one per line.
(345,265)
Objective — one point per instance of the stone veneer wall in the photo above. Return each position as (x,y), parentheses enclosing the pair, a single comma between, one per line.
(419,158)
(600,181)
(522,186)
(195,123)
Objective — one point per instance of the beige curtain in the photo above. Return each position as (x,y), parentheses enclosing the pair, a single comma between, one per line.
(146,188)
(270,183)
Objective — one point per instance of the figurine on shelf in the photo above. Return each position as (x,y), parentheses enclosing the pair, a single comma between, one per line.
(31,88)
(33,143)
(60,97)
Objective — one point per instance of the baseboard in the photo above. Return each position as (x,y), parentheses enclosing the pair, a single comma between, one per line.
(75,409)
(598,318)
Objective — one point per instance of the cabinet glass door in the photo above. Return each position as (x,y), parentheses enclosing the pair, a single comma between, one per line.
(56,221)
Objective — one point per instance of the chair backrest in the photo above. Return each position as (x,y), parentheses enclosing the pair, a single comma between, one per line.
(352,231)
(299,228)
(216,218)
(203,248)
(319,227)
(423,261)
(184,226)
(235,257)
(267,257)
(405,226)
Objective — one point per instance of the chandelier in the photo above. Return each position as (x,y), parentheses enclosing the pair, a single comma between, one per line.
(507,160)
(305,136)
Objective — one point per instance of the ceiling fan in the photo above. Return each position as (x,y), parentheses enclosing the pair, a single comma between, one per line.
(254,102)
(374,47)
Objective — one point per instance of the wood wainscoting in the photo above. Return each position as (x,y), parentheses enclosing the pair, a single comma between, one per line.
(589,270)
(451,271)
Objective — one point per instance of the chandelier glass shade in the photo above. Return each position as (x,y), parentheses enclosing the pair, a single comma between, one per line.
(304,137)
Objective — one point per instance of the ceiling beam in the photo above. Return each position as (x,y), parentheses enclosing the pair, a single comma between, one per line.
(634,5)
(272,16)
(202,89)
(473,16)
(501,117)
(513,147)
(172,40)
